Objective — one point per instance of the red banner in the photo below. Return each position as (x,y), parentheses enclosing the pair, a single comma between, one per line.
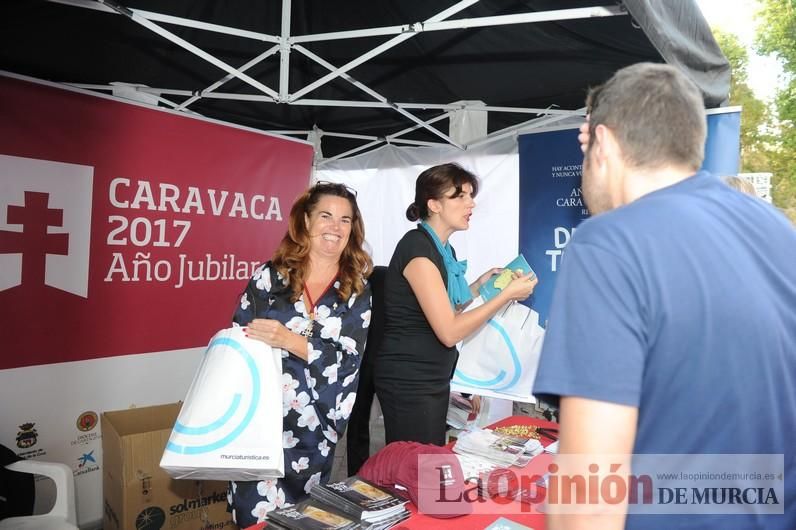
(125,229)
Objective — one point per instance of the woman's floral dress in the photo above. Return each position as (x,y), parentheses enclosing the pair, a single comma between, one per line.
(317,395)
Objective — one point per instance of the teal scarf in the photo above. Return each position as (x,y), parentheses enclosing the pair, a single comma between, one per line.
(458,290)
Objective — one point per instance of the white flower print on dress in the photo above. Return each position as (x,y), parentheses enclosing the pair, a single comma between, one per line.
(311,383)
(262,279)
(352,300)
(313,480)
(349,345)
(330,434)
(261,509)
(297,324)
(322,312)
(346,406)
(312,354)
(330,372)
(267,488)
(323,447)
(288,383)
(244,301)
(275,498)
(288,440)
(280,499)
(289,386)
(299,402)
(300,465)
(331,328)
(350,379)
(339,338)
(308,418)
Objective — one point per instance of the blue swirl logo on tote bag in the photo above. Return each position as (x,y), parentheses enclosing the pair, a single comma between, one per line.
(493,383)
(233,410)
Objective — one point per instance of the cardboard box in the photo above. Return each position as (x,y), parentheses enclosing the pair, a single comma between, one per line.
(137,494)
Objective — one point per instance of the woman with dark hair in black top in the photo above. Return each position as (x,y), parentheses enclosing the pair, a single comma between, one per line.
(424,293)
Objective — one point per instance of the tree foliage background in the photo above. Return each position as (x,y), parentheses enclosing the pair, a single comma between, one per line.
(768,133)
(777,35)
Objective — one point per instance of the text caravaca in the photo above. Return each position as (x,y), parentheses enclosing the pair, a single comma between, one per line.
(156,223)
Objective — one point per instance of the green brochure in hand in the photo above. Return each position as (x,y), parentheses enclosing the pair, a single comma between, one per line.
(499,281)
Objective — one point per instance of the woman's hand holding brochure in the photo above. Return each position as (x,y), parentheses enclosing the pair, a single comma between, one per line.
(517,279)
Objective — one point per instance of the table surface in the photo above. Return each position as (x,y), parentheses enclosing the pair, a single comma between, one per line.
(485,512)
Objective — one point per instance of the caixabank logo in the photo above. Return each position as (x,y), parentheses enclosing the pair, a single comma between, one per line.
(84,464)
(45,222)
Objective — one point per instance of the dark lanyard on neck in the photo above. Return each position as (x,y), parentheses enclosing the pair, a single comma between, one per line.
(309,304)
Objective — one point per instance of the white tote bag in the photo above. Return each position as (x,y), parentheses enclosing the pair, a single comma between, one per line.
(501,357)
(230,425)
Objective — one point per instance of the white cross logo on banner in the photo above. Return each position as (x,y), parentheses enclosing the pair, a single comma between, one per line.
(45,224)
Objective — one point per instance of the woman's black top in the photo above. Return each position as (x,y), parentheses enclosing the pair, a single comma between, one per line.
(410,353)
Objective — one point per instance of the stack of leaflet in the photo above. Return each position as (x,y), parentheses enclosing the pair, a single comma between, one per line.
(473,466)
(363,501)
(312,515)
(498,449)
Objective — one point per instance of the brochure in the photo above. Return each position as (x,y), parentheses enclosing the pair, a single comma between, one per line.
(360,498)
(312,515)
(499,281)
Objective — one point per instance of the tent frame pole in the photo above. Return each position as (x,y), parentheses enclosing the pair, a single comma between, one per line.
(284,44)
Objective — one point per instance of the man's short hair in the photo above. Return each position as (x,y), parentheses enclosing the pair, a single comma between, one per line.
(656,114)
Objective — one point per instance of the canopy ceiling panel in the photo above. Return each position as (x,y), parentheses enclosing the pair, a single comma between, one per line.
(517,63)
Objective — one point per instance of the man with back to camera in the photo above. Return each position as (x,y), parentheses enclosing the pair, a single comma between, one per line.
(673,324)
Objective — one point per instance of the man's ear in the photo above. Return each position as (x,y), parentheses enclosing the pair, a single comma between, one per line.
(605,144)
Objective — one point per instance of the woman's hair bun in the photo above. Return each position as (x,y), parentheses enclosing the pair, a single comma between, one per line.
(413,212)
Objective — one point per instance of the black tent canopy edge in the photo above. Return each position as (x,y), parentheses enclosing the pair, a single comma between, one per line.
(537,61)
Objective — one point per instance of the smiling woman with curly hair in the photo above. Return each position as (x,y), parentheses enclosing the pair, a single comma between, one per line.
(312,300)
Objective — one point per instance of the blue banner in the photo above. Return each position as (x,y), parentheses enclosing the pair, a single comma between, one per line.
(551,206)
